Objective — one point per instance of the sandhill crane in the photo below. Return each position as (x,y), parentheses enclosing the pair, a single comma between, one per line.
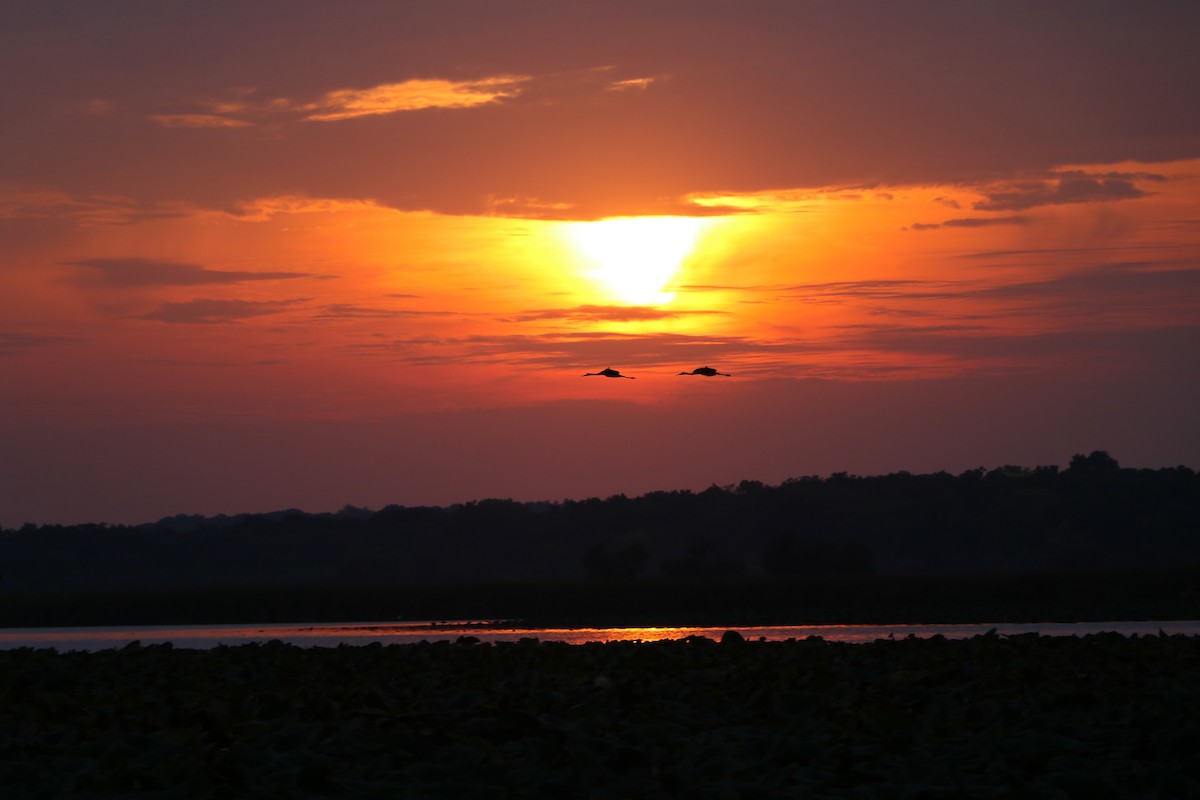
(708,372)
(609,372)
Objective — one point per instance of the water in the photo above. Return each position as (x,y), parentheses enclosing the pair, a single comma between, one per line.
(204,637)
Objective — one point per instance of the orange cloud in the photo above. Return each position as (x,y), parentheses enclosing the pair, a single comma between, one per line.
(630,83)
(199,121)
(386,98)
(774,200)
(413,95)
(261,209)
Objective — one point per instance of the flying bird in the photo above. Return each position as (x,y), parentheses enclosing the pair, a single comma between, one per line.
(609,372)
(706,371)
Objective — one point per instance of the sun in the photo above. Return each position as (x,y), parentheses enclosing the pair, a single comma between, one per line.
(635,258)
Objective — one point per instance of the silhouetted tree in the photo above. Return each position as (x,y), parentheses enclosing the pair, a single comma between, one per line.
(703,560)
(787,555)
(1098,462)
(623,563)
(1092,514)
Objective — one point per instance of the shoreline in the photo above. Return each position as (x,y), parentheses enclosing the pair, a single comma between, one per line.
(850,599)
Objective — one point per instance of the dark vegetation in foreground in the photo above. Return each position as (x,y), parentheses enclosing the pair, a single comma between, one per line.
(1005,718)
(1010,541)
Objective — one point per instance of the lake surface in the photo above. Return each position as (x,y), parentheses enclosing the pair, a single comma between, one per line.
(363,633)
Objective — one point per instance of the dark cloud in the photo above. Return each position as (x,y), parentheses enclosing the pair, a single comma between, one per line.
(713,287)
(888,311)
(595,313)
(1065,188)
(352,311)
(205,311)
(12,342)
(874,290)
(140,272)
(981,345)
(82,210)
(1109,287)
(1102,301)
(969,222)
(1169,283)
(222,364)
(1058,253)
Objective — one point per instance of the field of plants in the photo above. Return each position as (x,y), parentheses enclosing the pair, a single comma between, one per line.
(1101,716)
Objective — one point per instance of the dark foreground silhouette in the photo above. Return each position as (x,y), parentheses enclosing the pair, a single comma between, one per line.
(990,717)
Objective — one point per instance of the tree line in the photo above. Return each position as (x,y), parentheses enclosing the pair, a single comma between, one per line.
(1092,515)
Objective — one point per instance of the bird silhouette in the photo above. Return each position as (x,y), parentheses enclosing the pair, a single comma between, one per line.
(706,371)
(609,372)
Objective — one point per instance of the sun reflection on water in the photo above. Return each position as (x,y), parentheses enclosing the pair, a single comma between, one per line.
(389,633)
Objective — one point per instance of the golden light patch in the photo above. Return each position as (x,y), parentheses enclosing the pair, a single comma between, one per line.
(635,259)
(414,95)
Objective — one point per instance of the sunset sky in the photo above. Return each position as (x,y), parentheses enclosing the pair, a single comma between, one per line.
(261,255)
